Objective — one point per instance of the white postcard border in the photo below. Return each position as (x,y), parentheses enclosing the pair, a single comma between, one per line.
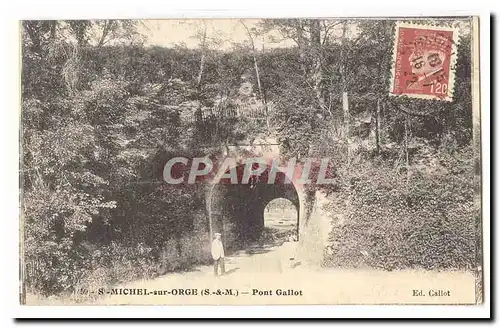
(121,9)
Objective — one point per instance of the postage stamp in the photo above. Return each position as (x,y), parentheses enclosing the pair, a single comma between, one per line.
(424,61)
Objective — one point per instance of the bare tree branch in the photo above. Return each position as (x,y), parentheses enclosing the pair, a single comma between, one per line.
(105,32)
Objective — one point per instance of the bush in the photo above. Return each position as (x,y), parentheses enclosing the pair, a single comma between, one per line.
(428,224)
(90,266)
(184,253)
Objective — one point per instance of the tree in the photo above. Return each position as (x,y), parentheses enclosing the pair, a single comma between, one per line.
(262,95)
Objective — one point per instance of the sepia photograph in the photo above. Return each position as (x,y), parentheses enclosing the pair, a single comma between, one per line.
(266,161)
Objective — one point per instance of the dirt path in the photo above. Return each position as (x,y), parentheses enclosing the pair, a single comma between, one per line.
(259,275)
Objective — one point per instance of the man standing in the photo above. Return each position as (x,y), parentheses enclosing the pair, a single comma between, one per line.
(218,254)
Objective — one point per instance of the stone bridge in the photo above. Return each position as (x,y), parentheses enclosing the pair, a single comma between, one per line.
(237,210)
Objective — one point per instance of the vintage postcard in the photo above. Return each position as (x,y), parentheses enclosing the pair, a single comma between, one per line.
(250,162)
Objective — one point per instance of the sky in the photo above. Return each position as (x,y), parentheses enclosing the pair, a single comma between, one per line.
(225,32)
(222,33)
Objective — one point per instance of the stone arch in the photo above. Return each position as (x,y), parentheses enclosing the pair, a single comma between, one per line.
(237,210)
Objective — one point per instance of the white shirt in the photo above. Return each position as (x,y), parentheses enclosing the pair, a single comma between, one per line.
(217,249)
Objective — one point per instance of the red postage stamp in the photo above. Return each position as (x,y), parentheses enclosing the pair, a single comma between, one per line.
(424,61)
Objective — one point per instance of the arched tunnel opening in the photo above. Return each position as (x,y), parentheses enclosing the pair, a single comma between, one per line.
(237,211)
(282,215)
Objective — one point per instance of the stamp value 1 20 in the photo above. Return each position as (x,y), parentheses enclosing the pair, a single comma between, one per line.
(424,61)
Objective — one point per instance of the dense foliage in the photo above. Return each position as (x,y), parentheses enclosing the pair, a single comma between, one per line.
(100,117)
